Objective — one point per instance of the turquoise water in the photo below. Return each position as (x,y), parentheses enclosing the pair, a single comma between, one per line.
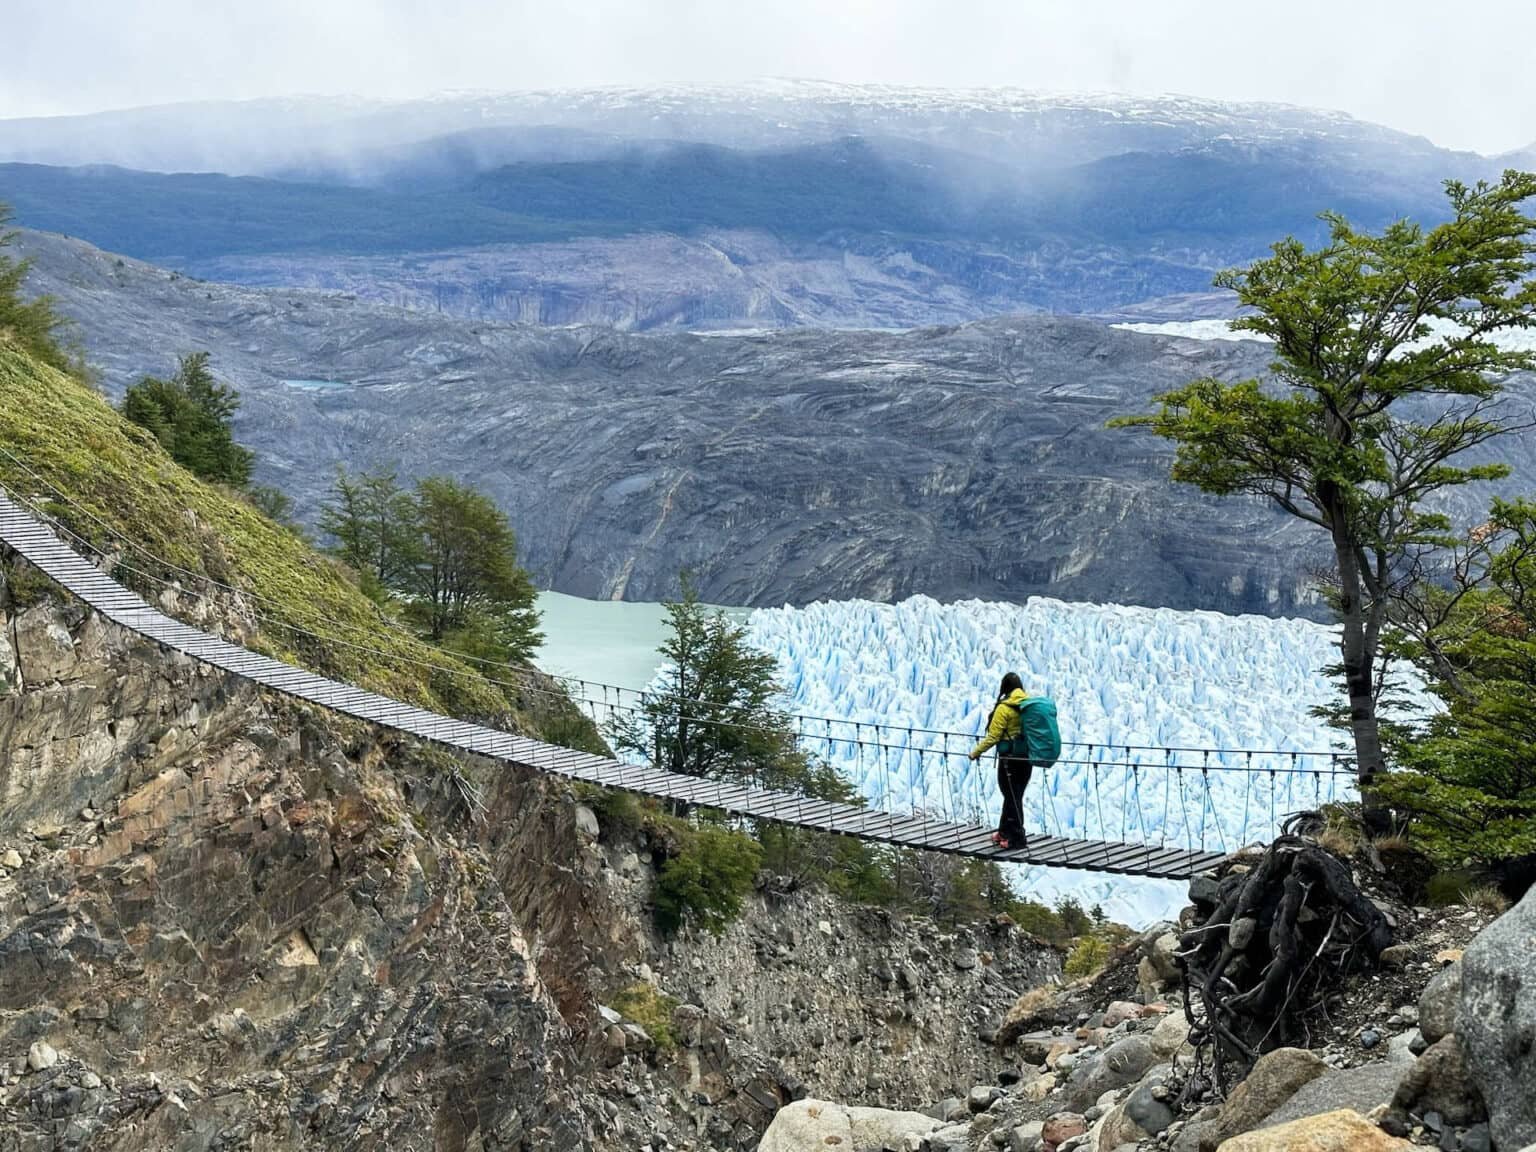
(316,385)
(604,641)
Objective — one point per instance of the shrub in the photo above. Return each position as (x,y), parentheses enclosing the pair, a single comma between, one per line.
(706,882)
(1088,955)
(619,814)
(642,1004)
(1485,898)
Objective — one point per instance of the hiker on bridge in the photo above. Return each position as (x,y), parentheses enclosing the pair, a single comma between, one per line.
(1023,729)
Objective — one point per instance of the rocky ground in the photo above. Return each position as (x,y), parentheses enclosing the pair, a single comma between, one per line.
(1435,1047)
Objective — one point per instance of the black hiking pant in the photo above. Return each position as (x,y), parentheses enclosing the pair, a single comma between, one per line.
(1012,778)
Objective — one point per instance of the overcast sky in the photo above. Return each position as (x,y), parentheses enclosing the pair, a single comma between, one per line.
(1460,74)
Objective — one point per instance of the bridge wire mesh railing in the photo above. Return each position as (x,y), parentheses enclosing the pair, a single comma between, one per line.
(1162,796)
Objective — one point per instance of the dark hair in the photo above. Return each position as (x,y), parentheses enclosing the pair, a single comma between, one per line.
(1011,683)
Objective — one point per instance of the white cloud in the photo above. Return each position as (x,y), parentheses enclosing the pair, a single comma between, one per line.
(1460,76)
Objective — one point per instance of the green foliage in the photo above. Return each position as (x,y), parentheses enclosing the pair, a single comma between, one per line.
(1338,448)
(1074,921)
(191,416)
(22,585)
(1087,957)
(706,882)
(466,577)
(447,551)
(371,521)
(1467,782)
(642,1004)
(273,503)
(34,326)
(717,718)
(619,814)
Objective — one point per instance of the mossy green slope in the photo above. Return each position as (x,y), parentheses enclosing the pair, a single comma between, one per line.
(122,487)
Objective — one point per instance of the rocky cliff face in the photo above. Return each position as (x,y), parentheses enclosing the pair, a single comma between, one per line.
(230,922)
(779,467)
(787,466)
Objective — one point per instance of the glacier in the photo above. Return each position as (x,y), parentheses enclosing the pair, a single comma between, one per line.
(894,695)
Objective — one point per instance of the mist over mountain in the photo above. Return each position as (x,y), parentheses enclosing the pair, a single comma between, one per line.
(699,207)
(368,138)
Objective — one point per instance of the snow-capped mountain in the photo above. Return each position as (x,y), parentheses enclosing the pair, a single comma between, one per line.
(1014,126)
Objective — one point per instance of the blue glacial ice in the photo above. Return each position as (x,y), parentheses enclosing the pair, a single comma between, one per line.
(1134,686)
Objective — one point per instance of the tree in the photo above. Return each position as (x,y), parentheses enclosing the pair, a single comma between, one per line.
(1383,346)
(370,519)
(466,582)
(191,416)
(34,325)
(1468,780)
(717,717)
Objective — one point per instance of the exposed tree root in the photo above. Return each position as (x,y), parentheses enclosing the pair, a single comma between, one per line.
(1280,935)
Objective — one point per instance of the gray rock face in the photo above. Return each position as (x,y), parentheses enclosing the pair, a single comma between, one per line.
(1440,1002)
(1360,1089)
(785,466)
(1439,1082)
(1497,1022)
(779,467)
(1275,1078)
(1122,1063)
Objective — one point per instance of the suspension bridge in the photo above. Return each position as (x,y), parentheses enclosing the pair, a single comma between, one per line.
(1144,811)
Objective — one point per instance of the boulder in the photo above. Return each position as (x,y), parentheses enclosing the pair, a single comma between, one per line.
(1026,1137)
(1141,1115)
(955,1138)
(45,650)
(1339,1131)
(1170,1035)
(817,1126)
(981,1097)
(586,822)
(808,1126)
(1119,1012)
(41,1055)
(1439,1082)
(877,1128)
(1161,956)
(1440,1002)
(1122,1063)
(1275,1078)
(1396,956)
(1062,1127)
(1497,1022)
(1361,1089)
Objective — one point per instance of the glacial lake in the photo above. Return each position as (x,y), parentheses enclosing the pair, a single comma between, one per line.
(604,641)
(317,385)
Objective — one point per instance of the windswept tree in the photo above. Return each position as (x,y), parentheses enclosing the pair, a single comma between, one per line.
(192,416)
(1386,371)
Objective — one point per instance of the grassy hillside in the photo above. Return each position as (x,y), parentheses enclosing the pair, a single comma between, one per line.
(118,484)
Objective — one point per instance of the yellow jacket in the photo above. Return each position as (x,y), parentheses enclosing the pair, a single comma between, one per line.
(1004,724)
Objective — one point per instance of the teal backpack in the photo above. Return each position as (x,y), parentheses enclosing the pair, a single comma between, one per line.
(1039,739)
